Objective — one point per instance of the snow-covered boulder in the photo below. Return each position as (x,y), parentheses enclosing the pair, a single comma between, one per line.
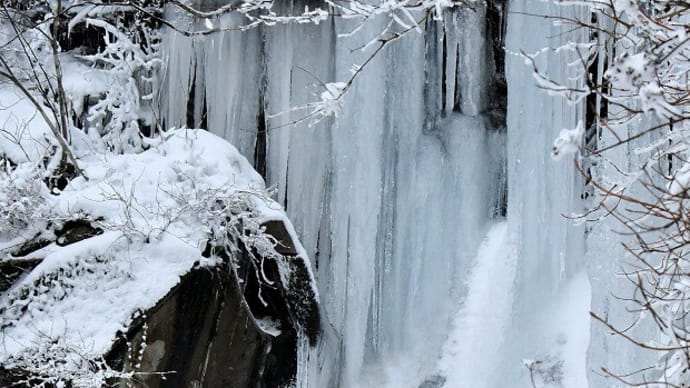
(172,267)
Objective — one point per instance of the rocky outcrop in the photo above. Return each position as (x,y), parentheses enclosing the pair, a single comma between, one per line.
(223,327)
(220,326)
(203,335)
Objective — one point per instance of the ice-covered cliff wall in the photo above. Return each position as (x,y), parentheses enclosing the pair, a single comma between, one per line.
(393,199)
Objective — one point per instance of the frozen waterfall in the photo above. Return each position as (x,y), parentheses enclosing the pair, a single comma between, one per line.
(431,207)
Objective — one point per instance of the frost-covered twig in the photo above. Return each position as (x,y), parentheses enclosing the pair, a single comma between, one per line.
(55,362)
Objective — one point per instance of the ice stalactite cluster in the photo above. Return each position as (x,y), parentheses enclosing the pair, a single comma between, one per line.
(442,137)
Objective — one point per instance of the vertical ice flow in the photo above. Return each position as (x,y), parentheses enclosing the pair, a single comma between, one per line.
(393,199)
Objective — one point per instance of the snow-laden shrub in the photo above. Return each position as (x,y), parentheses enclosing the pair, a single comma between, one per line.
(61,364)
(26,52)
(130,59)
(58,364)
(23,199)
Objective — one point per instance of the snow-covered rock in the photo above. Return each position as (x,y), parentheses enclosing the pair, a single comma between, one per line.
(170,251)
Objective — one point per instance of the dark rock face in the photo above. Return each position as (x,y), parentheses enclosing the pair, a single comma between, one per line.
(76,230)
(203,335)
(299,293)
(11,270)
(222,327)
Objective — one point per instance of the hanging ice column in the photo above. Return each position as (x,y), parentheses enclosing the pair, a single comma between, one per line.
(391,200)
(550,312)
